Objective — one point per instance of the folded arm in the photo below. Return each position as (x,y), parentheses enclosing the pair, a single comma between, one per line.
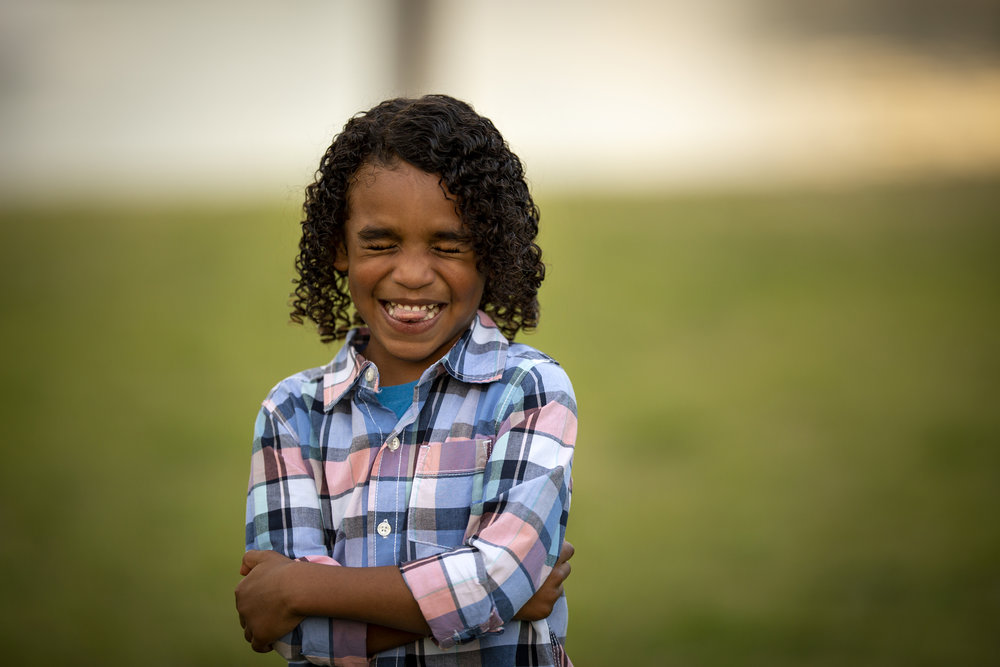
(277,593)
(519,523)
(284,521)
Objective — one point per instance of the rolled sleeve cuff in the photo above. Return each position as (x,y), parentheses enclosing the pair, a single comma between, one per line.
(332,641)
(451,598)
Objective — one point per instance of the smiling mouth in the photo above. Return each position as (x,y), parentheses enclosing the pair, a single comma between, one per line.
(402,312)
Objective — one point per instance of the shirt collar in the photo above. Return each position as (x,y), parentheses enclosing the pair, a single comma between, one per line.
(479,356)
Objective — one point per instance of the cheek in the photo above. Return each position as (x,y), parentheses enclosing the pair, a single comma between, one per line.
(360,283)
(469,282)
(476,287)
(367,271)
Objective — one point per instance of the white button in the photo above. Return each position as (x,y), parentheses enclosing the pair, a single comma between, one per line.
(384,528)
(394,444)
(370,374)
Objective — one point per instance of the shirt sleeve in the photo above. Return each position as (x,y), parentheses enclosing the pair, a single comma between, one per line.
(521,517)
(283,515)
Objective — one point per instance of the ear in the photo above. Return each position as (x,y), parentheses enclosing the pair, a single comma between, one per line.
(340,258)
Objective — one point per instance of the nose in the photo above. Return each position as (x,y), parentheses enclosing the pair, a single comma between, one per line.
(413,270)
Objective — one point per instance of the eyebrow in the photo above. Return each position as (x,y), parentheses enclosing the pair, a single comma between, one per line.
(376,233)
(373,233)
(458,237)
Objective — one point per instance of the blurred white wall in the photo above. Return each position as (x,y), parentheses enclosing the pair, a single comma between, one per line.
(123,98)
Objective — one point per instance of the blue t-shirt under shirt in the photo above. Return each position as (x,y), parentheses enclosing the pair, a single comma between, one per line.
(397,397)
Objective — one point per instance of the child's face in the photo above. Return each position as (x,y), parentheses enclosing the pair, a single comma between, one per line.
(411,268)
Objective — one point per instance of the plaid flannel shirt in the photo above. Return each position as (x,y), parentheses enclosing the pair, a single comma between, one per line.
(468,493)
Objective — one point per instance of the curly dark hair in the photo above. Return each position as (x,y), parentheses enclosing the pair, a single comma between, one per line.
(446,137)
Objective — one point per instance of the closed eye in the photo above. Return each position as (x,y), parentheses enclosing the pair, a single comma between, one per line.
(451,242)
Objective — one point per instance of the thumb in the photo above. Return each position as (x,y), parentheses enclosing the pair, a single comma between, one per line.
(250,560)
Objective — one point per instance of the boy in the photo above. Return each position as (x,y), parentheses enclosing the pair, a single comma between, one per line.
(409,500)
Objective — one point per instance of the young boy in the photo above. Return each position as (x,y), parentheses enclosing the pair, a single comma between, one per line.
(409,500)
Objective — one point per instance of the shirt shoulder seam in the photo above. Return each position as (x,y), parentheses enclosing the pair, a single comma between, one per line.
(521,370)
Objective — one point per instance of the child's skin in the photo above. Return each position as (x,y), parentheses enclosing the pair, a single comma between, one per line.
(413,277)
(406,245)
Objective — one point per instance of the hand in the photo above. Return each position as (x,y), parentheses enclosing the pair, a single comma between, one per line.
(541,603)
(262,599)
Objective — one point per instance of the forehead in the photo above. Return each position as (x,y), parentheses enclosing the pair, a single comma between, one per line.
(399,194)
(398,179)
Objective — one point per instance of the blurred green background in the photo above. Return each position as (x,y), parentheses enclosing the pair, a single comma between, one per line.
(772,231)
(788,451)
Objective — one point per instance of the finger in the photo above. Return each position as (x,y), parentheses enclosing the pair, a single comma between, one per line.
(250,560)
(560,572)
(245,564)
(566,552)
(236,594)
(248,635)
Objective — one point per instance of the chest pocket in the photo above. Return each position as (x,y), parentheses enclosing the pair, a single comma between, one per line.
(448,480)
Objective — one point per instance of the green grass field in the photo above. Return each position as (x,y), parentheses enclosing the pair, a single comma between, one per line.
(789,450)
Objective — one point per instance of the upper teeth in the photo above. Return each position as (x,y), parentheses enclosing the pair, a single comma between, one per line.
(405,306)
(429,310)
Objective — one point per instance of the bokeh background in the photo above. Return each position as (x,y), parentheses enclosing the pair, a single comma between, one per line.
(772,233)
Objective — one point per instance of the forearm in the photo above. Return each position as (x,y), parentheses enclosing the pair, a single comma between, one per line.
(374,595)
(380,638)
